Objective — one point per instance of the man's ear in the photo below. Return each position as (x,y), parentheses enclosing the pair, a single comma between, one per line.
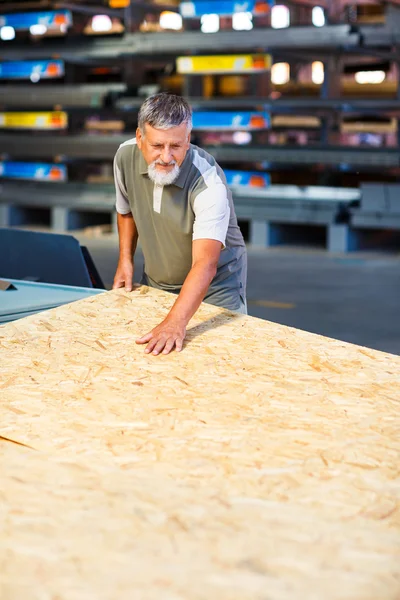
(139,138)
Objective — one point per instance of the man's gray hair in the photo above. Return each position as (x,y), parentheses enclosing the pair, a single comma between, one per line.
(163,111)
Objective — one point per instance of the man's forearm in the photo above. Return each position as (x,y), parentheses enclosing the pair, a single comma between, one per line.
(128,236)
(193,291)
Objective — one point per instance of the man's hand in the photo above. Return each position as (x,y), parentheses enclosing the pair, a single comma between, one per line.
(163,338)
(124,275)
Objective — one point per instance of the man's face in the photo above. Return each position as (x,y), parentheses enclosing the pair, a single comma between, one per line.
(165,148)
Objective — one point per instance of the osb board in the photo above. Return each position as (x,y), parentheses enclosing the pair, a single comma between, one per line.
(261,463)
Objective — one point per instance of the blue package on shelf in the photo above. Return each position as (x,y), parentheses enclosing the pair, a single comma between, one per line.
(247,178)
(33,171)
(28,69)
(231,120)
(25,298)
(50,19)
(198,8)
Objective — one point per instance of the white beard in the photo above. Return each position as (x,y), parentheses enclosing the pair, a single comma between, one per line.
(160,178)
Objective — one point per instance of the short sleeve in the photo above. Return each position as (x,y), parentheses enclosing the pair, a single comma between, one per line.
(122,202)
(212,212)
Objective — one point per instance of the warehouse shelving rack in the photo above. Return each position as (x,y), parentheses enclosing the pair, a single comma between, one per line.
(69,97)
(104,147)
(327,43)
(73,205)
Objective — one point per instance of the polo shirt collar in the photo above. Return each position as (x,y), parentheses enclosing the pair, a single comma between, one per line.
(184,172)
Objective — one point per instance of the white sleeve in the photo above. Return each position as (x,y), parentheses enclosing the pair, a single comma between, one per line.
(212,212)
(122,202)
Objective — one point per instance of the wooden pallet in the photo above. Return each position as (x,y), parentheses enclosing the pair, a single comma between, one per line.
(259,462)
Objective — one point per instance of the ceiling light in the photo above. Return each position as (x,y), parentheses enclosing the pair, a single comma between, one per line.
(374,77)
(101,23)
(280,73)
(38,29)
(280,16)
(210,23)
(318,16)
(7,33)
(317,72)
(170,20)
(242,21)
(241,137)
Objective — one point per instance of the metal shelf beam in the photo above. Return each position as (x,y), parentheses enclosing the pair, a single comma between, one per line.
(28,97)
(299,105)
(162,44)
(82,196)
(307,155)
(89,147)
(40,96)
(104,147)
(93,197)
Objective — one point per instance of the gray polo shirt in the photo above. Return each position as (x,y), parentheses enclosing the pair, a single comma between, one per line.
(169,218)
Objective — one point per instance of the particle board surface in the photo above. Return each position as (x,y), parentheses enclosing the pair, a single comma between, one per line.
(262,462)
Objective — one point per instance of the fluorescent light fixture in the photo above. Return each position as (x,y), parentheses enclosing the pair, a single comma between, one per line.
(280,16)
(318,16)
(170,20)
(317,72)
(101,23)
(210,23)
(242,21)
(280,73)
(7,33)
(241,138)
(38,29)
(374,77)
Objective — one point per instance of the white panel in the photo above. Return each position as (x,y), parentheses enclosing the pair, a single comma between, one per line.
(157,195)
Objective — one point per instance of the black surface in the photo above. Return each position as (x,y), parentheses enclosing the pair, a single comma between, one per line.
(45,257)
(94,275)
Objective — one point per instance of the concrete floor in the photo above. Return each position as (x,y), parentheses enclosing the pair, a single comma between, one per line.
(354,298)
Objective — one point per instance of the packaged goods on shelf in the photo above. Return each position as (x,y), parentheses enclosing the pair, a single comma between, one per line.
(198,8)
(34,120)
(33,171)
(230,120)
(295,121)
(50,19)
(234,63)
(247,178)
(32,69)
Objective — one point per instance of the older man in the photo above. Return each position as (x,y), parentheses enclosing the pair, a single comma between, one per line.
(174,196)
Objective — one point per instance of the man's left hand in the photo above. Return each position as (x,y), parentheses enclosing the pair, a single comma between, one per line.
(165,337)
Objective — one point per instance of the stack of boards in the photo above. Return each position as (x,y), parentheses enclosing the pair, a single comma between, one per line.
(260,462)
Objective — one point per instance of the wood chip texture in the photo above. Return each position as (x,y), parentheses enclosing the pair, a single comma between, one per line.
(260,463)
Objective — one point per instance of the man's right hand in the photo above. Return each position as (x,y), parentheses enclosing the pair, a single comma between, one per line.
(124,275)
